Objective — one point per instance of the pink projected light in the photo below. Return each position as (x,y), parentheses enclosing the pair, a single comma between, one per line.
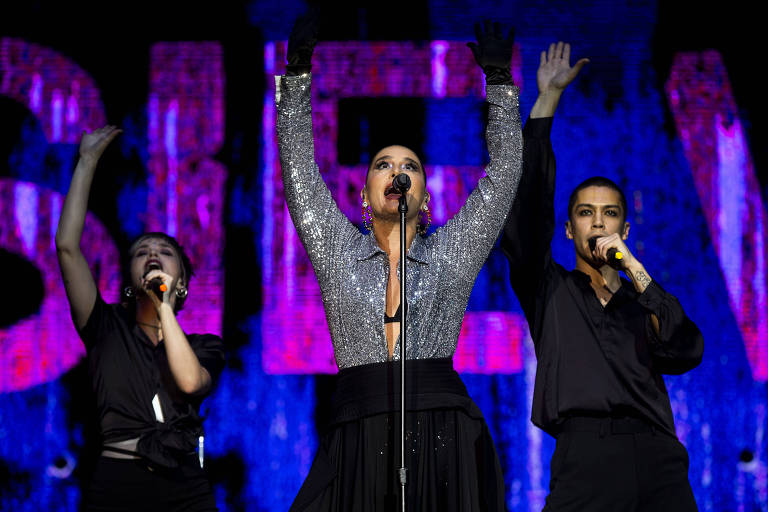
(186,186)
(186,117)
(713,140)
(65,101)
(41,347)
(294,331)
(63,97)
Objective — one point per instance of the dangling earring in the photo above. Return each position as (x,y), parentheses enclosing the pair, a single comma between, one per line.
(129,292)
(181,293)
(367,216)
(424,226)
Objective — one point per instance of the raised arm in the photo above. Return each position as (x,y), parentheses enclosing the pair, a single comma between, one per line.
(78,281)
(468,237)
(553,76)
(321,226)
(530,226)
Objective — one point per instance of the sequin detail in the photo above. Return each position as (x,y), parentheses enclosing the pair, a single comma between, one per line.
(351,268)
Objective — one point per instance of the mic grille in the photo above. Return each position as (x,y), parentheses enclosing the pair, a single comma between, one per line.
(402,182)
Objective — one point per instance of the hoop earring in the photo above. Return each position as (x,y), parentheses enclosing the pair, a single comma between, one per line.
(129,292)
(367,216)
(182,292)
(424,226)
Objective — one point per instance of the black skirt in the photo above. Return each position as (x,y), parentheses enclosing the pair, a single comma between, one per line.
(450,456)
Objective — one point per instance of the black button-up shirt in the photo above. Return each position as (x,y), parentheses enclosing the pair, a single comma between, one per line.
(127,370)
(591,360)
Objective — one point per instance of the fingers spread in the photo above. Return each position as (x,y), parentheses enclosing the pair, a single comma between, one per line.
(559,50)
(577,67)
(478,31)
(511,36)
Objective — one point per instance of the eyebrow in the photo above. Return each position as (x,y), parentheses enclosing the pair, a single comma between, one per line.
(384,157)
(587,205)
(143,245)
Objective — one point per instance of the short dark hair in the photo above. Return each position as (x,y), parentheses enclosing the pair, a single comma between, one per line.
(187,271)
(598,181)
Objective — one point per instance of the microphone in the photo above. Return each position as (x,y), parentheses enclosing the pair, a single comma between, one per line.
(614,255)
(158,286)
(401,183)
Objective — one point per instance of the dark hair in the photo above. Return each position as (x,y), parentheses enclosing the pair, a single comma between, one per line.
(421,161)
(187,271)
(598,181)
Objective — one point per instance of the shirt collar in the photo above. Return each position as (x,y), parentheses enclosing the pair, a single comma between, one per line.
(418,251)
(580,277)
(625,291)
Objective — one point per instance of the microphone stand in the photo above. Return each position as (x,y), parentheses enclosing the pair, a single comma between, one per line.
(402,471)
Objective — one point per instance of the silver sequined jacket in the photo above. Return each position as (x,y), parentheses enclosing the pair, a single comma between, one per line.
(351,268)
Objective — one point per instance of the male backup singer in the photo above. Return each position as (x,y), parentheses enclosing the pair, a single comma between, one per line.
(602,342)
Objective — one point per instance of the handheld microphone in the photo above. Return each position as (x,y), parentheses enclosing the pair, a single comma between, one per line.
(158,286)
(614,255)
(401,183)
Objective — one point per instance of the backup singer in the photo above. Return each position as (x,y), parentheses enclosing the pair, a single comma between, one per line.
(452,460)
(602,342)
(148,376)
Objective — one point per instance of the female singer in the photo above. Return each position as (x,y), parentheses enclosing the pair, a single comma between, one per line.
(148,376)
(451,460)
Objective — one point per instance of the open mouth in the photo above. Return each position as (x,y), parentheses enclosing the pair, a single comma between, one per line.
(391,193)
(152,265)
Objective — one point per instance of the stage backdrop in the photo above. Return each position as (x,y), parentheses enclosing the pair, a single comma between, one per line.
(198,160)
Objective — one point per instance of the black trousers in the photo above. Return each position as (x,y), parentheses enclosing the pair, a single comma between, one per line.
(130,485)
(616,465)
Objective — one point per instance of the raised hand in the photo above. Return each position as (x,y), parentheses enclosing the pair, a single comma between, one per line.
(555,71)
(301,44)
(493,52)
(93,144)
(554,75)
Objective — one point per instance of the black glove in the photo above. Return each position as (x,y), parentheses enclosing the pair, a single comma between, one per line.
(493,53)
(301,44)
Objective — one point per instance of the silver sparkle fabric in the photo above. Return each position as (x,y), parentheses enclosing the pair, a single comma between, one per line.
(351,268)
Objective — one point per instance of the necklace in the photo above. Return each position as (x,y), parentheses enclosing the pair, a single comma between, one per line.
(158,327)
(158,331)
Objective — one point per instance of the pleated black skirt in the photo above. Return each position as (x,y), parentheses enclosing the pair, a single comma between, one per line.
(450,456)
